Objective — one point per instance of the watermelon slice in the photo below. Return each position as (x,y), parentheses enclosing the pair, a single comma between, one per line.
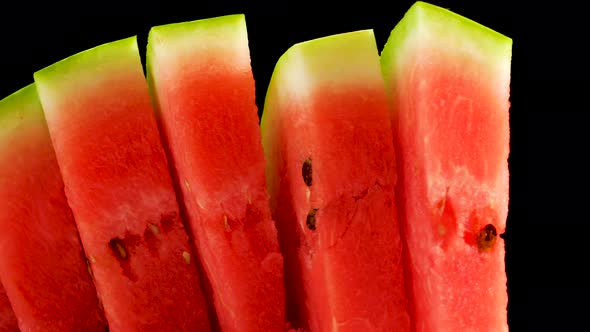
(331,173)
(8,321)
(204,91)
(449,81)
(106,139)
(42,263)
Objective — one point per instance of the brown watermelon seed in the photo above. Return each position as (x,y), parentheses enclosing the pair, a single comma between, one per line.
(151,239)
(487,237)
(118,248)
(153,228)
(186,256)
(89,269)
(226,224)
(306,172)
(310,221)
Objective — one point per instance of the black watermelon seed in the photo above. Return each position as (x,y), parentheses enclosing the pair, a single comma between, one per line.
(306,172)
(487,237)
(310,221)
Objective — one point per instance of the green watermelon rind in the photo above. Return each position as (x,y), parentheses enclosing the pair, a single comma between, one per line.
(83,66)
(186,30)
(15,107)
(220,28)
(440,26)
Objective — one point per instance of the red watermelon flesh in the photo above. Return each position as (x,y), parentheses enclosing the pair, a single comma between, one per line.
(102,125)
(8,321)
(42,263)
(449,82)
(204,90)
(331,174)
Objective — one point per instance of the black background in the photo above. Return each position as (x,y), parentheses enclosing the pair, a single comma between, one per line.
(547,236)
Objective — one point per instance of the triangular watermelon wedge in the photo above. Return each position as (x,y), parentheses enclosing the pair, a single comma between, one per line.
(449,80)
(203,88)
(115,172)
(331,174)
(42,263)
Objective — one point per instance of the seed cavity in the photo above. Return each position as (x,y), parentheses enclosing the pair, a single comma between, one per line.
(122,248)
(487,237)
(186,256)
(252,215)
(168,220)
(445,220)
(118,248)
(306,172)
(311,219)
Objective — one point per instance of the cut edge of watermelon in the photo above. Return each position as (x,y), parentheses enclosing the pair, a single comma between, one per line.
(438,27)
